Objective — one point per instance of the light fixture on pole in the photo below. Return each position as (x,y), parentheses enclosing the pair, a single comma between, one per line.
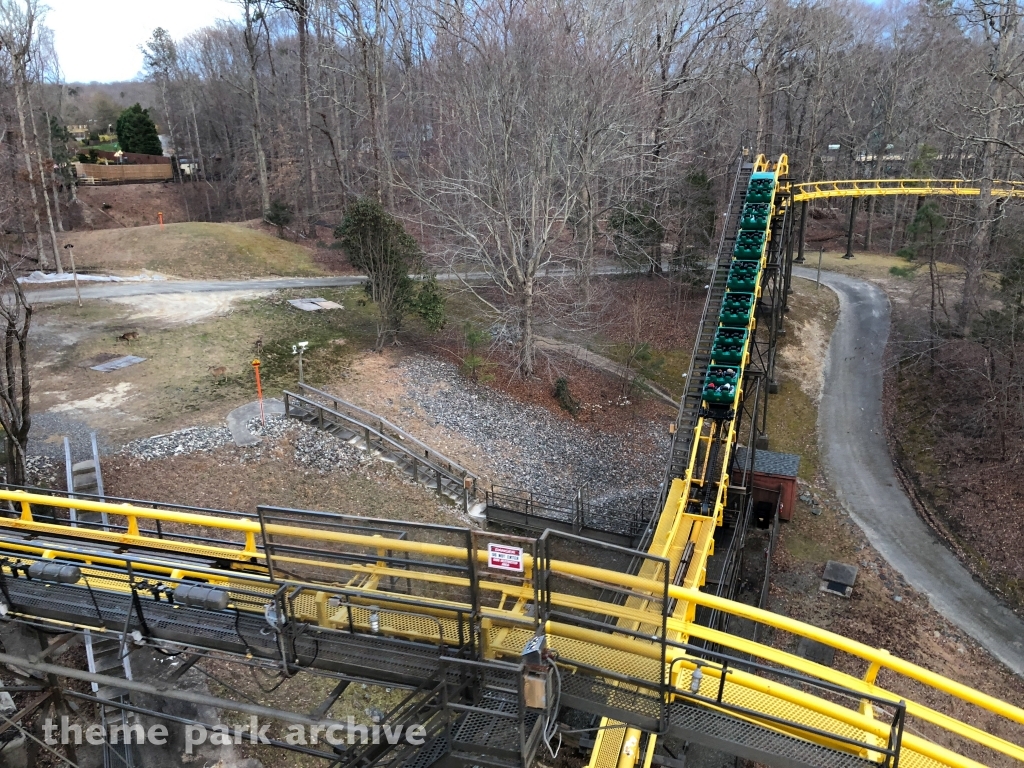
(298,349)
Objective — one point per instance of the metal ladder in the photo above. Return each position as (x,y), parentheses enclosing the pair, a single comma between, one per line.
(104,658)
(86,478)
(103,654)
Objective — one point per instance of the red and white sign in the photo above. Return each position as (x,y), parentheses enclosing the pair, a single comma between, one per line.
(505,558)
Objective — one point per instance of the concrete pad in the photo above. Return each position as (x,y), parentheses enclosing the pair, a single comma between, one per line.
(305,306)
(118,363)
(839,578)
(241,416)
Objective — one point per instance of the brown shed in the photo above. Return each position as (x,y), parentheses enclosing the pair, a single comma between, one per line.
(774,478)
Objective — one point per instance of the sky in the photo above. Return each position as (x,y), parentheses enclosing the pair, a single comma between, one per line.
(100,41)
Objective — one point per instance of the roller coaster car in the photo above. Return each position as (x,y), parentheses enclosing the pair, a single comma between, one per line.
(723,374)
(748,246)
(761,190)
(743,276)
(724,394)
(721,385)
(736,310)
(728,346)
(755,216)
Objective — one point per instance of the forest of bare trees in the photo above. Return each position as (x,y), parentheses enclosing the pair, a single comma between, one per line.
(507,133)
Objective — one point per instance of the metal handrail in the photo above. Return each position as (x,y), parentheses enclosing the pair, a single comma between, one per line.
(446,471)
(891,750)
(577,510)
(382,422)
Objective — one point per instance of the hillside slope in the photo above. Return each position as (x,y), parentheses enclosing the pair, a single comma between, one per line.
(192,250)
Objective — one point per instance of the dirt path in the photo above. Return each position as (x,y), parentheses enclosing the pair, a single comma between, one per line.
(858,463)
(602,363)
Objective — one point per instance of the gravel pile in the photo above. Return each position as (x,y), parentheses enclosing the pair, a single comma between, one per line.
(314,449)
(527,447)
(178,443)
(43,471)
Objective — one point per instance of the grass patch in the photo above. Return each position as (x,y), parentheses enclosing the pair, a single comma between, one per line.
(175,385)
(804,544)
(793,413)
(793,426)
(867,265)
(663,369)
(903,271)
(669,376)
(195,250)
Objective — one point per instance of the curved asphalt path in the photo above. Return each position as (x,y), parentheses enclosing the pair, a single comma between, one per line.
(857,458)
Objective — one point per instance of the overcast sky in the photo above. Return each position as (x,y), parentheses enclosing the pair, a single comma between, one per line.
(100,41)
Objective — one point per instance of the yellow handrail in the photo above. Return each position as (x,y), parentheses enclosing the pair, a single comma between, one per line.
(876,658)
(817,190)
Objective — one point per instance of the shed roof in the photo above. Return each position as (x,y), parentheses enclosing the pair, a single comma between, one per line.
(770,462)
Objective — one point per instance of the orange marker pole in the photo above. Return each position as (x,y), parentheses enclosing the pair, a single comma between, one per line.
(259,390)
(160,217)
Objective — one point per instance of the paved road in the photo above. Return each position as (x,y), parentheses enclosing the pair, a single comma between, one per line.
(857,458)
(38,294)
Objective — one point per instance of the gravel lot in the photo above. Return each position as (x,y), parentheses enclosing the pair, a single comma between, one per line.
(527,447)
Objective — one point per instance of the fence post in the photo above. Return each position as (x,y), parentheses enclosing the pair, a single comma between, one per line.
(579,510)
(439,482)
(415,469)
(320,410)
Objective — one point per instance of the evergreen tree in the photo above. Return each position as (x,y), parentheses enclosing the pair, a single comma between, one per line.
(136,132)
(377,244)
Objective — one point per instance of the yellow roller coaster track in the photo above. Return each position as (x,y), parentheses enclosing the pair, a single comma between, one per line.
(679,530)
(819,190)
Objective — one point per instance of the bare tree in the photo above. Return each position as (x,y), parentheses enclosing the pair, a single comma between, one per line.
(255,26)
(300,10)
(15,385)
(992,106)
(502,182)
(17,39)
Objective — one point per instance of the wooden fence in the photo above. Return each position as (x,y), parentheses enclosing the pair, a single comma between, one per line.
(115,174)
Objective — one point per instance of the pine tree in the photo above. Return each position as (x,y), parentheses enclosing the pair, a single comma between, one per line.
(136,132)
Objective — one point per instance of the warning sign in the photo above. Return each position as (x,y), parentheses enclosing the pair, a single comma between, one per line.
(505,558)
